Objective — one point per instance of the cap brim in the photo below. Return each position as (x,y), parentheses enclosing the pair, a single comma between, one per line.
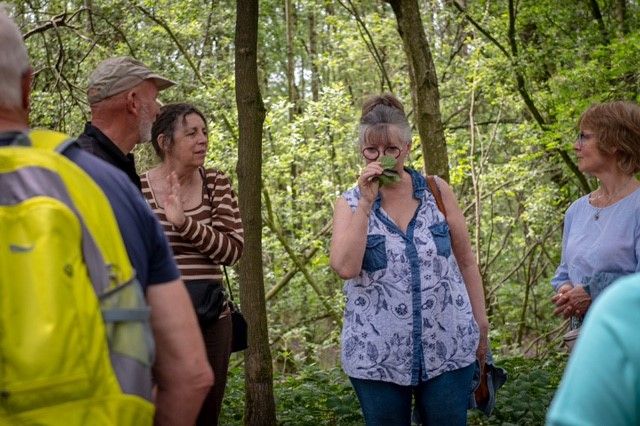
(161,82)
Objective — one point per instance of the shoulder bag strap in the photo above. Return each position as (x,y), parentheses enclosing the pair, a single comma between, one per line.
(208,191)
(226,279)
(433,186)
(203,174)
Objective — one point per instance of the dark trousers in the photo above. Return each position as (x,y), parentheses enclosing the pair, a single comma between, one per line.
(217,341)
(441,401)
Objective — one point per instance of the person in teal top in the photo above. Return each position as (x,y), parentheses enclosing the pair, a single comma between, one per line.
(601,384)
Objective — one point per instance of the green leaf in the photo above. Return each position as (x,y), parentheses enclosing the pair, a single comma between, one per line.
(387,162)
(389,175)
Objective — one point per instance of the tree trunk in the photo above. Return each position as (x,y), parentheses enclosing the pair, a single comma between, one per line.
(424,85)
(291,76)
(313,57)
(620,13)
(260,404)
(597,15)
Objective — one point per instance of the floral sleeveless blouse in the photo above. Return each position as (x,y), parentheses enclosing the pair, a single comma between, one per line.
(408,316)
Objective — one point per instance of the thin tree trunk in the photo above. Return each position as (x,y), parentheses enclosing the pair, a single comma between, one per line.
(291,80)
(260,405)
(207,39)
(520,83)
(367,37)
(475,178)
(292,90)
(620,13)
(313,57)
(597,15)
(425,84)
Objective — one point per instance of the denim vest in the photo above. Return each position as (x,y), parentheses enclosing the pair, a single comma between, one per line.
(407,316)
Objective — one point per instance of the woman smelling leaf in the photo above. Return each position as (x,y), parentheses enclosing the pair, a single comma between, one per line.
(389,175)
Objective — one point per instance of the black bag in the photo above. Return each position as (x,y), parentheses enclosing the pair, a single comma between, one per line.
(239,330)
(238,323)
(208,300)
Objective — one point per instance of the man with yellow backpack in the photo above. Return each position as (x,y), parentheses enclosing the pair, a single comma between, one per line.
(76,336)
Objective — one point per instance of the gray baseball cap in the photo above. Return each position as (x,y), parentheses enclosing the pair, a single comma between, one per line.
(115,75)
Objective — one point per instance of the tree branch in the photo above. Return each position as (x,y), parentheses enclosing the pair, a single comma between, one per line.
(166,27)
(270,220)
(309,253)
(61,20)
(479,28)
(521,84)
(597,15)
(368,41)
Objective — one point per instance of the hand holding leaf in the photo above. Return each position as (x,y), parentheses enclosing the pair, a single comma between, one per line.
(389,174)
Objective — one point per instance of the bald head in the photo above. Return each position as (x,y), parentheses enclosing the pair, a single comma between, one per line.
(14,63)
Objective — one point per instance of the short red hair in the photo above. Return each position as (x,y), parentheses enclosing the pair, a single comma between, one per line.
(617,129)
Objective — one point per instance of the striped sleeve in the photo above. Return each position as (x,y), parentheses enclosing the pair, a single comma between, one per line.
(222,240)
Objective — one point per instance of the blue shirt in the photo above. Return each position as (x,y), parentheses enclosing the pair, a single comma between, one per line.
(146,244)
(609,244)
(407,316)
(143,236)
(601,384)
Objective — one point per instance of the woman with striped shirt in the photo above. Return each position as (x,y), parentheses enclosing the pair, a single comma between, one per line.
(199,213)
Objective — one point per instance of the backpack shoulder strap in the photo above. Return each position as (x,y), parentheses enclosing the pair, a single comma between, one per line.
(50,140)
(433,186)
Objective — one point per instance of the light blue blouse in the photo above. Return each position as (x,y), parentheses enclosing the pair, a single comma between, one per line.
(609,245)
(407,316)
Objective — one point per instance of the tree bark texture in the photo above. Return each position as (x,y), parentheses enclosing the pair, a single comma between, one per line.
(291,76)
(313,57)
(260,404)
(424,85)
(620,13)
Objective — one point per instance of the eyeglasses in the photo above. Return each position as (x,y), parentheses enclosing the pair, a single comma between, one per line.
(582,138)
(372,153)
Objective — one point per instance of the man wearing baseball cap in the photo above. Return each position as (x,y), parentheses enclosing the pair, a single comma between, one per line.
(181,371)
(122,95)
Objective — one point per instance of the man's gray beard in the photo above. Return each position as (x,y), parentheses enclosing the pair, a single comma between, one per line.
(144,131)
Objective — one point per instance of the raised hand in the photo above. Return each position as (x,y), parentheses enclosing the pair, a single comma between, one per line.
(368,181)
(173,208)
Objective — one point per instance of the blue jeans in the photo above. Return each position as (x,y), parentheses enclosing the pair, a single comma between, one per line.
(442,400)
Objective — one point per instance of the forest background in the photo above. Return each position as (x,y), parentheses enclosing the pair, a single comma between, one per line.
(505,80)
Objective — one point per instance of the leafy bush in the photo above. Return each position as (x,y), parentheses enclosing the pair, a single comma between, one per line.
(526,396)
(313,396)
(316,396)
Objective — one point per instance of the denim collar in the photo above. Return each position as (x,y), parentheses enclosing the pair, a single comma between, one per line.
(419,186)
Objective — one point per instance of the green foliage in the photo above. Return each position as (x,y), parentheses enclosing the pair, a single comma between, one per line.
(525,397)
(317,396)
(505,167)
(314,396)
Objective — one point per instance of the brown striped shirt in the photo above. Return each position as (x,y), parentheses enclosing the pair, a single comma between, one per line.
(212,234)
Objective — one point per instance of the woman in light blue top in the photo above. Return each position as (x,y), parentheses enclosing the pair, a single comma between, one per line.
(601,240)
(415,318)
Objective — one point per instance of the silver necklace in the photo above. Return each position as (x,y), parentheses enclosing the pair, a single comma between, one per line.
(608,198)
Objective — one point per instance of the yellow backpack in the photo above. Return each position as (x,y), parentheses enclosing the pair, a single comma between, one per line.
(75,343)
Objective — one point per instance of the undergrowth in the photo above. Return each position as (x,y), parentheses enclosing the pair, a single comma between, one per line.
(316,396)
